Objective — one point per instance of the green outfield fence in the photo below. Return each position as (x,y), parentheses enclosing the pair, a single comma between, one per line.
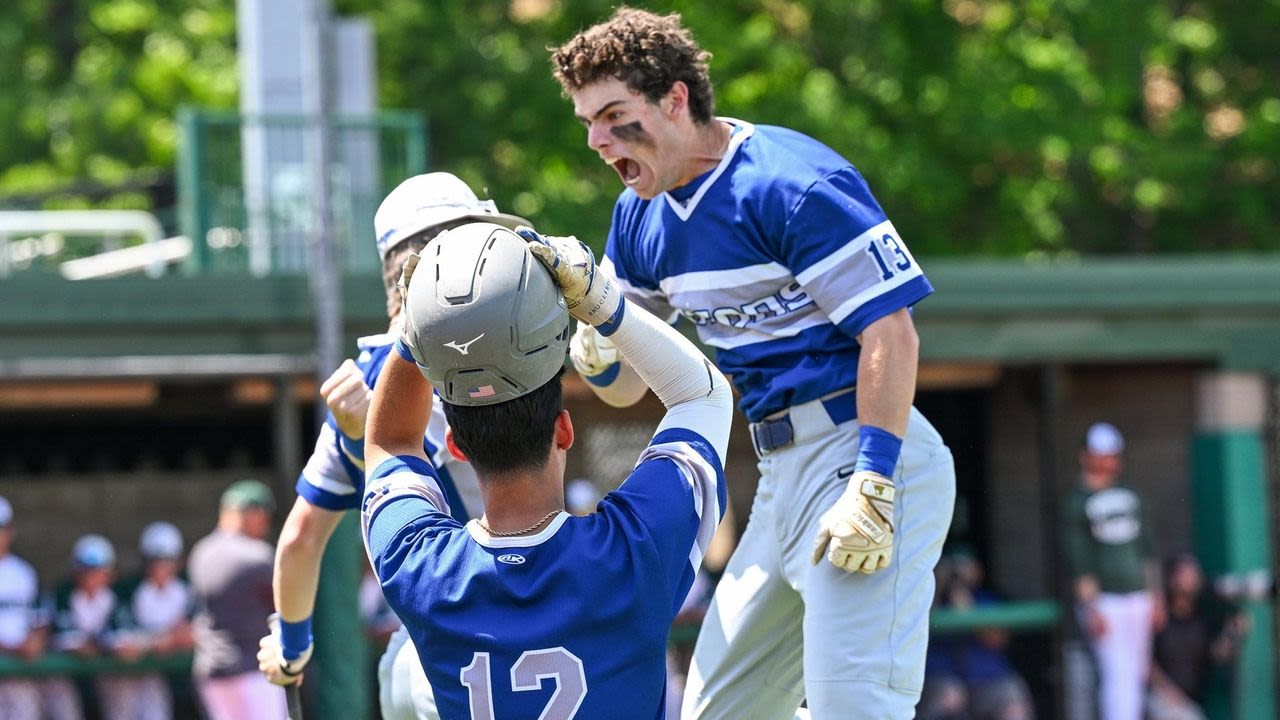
(244,190)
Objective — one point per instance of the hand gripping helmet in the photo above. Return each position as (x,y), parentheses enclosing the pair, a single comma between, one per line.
(485,320)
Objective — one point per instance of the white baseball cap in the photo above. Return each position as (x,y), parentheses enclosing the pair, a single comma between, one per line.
(1103,439)
(424,201)
(160,540)
(93,551)
(6,512)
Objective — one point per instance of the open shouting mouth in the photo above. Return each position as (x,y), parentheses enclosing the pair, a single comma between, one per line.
(628,170)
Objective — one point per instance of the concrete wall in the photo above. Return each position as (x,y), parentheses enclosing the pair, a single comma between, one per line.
(51,511)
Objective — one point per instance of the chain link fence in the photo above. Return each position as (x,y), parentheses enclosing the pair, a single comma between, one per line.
(245,196)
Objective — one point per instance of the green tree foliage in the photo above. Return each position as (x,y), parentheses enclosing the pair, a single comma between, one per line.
(91,88)
(983,126)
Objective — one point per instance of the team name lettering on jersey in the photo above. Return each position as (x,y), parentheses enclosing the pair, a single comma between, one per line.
(787,300)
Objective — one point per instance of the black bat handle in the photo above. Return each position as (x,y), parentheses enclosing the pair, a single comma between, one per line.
(293,698)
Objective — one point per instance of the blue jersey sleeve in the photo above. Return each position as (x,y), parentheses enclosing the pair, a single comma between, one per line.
(403,504)
(848,256)
(330,479)
(677,493)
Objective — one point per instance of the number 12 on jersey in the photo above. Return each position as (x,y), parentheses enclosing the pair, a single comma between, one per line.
(528,672)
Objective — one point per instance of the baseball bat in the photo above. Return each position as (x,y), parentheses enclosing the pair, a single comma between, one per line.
(293,699)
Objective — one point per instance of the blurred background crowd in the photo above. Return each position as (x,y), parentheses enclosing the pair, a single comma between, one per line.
(1171,658)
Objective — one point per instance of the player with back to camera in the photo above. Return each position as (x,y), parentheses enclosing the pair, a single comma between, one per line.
(774,247)
(529,612)
(411,215)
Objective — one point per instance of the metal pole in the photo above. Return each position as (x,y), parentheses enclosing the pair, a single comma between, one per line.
(339,662)
(1050,377)
(326,285)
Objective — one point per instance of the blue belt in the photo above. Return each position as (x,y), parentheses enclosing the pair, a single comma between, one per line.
(777,433)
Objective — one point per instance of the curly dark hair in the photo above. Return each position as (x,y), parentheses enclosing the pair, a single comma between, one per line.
(646,51)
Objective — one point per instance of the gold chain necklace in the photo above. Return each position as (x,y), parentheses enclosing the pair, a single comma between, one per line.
(529,529)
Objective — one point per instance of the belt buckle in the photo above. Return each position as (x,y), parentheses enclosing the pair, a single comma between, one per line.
(770,435)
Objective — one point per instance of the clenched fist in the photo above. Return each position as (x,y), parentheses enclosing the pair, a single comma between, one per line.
(591,352)
(348,398)
(271,659)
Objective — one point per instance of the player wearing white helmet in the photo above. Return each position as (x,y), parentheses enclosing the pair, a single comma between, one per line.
(410,216)
(773,246)
(528,611)
(87,622)
(21,634)
(155,613)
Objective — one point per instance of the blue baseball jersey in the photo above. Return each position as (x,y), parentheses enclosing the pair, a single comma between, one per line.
(332,481)
(780,256)
(570,622)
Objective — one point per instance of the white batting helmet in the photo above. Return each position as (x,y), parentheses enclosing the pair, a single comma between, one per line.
(424,201)
(93,551)
(160,540)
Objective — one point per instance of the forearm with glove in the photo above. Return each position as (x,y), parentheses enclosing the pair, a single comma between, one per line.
(856,534)
(695,393)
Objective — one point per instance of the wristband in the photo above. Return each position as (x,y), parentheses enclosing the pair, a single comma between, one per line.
(610,326)
(878,450)
(295,638)
(605,378)
(402,349)
(353,447)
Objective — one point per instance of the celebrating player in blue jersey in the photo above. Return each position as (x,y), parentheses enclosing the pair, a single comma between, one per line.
(411,215)
(772,244)
(529,612)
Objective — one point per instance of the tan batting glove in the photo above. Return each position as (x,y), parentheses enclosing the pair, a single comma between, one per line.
(402,284)
(271,658)
(591,296)
(856,534)
(591,352)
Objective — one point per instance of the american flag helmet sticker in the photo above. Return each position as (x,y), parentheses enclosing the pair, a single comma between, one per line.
(482,391)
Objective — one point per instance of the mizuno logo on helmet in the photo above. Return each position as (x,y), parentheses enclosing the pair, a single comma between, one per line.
(463,347)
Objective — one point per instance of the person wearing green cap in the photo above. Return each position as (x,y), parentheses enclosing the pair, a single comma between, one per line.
(230,573)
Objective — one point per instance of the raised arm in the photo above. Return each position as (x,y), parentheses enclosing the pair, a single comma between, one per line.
(695,393)
(399,413)
(401,405)
(326,490)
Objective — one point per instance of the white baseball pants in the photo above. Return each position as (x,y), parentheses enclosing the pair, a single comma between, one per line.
(781,630)
(19,699)
(247,696)
(403,690)
(1123,653)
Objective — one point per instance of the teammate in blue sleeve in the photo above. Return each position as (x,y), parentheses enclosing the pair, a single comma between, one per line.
(411,215)
(528,612)
(774,247)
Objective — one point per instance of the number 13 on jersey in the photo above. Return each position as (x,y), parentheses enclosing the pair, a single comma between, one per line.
(527,673)
(889,255)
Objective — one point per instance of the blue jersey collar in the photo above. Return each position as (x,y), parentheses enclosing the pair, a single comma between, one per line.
(684,209)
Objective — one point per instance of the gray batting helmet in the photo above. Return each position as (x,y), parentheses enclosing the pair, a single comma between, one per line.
(485,320)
